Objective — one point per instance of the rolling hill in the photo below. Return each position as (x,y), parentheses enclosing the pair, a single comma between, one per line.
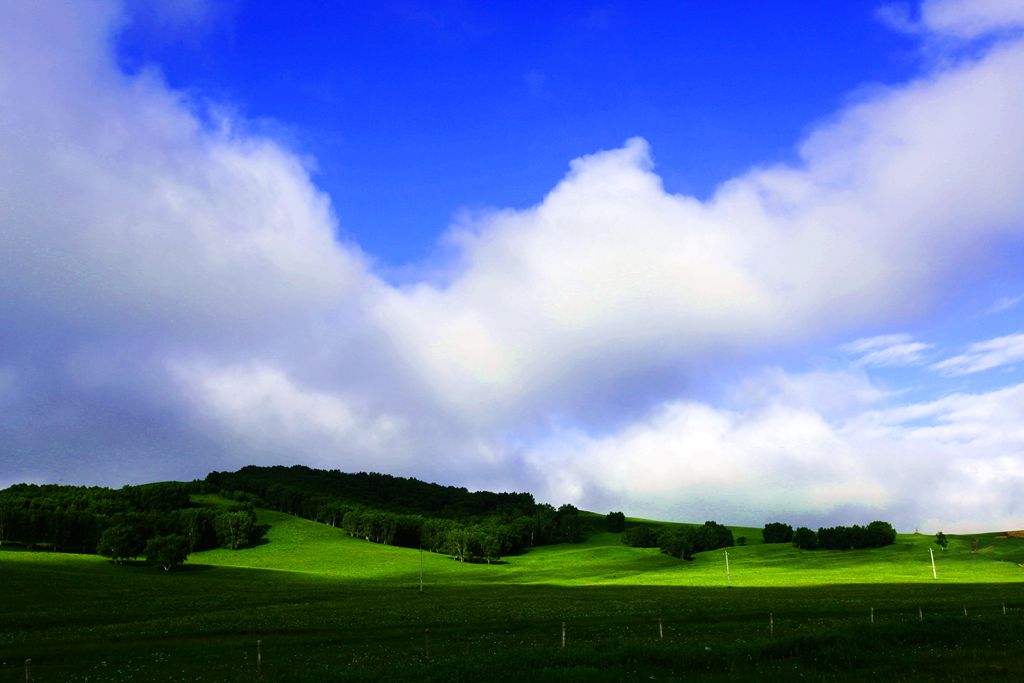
(311,603)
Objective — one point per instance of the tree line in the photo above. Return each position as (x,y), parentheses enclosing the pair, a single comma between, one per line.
(157,521)
(683,542)
(310,493)
(471,526)
(875,535)
(680,541)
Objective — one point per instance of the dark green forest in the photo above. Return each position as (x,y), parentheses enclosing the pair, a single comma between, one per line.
(158,521)
(474,526)
(161,522)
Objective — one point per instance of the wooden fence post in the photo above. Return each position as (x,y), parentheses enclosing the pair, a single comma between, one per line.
(661,629)
(920,614)
(426,643)
(771,625)
(28,671)
(259,658)
(563,635)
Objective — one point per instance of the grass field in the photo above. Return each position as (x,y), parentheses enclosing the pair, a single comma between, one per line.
(299,545)
(328,607)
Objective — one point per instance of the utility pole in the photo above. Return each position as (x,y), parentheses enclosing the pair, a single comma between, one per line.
(932,553)
(728,578)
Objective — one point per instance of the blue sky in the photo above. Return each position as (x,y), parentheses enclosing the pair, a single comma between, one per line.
(708,260)
(415,112)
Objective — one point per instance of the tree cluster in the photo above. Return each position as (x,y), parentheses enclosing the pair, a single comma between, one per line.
(777,532)
(681,541)
(875,535)
(303,491)
(615,522)
(642,536)
(478,526)
(152,520)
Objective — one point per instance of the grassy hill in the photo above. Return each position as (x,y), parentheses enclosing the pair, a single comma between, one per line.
(325,606)
(300,545)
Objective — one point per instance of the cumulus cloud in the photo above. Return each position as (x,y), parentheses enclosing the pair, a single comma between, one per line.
(265,410)
(689,459)
(946,464)
(176,299)
(135,230)
(986,355)
(611,270)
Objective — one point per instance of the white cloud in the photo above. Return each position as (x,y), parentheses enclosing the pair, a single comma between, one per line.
(830,393)
(1004,304)
(135,233)
(955,19)
(986,355)
(611,269)
(118,204)
(686,455)
(870,344)
(887,350)
(955,463)
(264,409)
(971,18)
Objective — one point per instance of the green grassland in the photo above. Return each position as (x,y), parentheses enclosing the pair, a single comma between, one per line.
(300,545)
(329,607)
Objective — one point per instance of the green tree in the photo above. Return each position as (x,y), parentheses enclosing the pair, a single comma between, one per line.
(711,536)
(235,529)
(167,551)
(197,525)
(488,546)
(640,536)
(615,522)
(941,539)
(678,542)
(880,534)
(6,515)
(120,543)
(805,539)
(777,532)
(458,544)
(570,527)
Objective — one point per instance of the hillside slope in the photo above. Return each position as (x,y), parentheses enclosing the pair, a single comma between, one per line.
(299,545)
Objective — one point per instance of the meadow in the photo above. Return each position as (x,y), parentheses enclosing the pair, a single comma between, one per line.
(324,606)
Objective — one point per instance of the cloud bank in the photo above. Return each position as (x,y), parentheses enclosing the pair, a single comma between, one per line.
(176,300)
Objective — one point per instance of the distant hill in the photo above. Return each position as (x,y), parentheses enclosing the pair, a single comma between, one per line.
(303,491)
(469,525)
